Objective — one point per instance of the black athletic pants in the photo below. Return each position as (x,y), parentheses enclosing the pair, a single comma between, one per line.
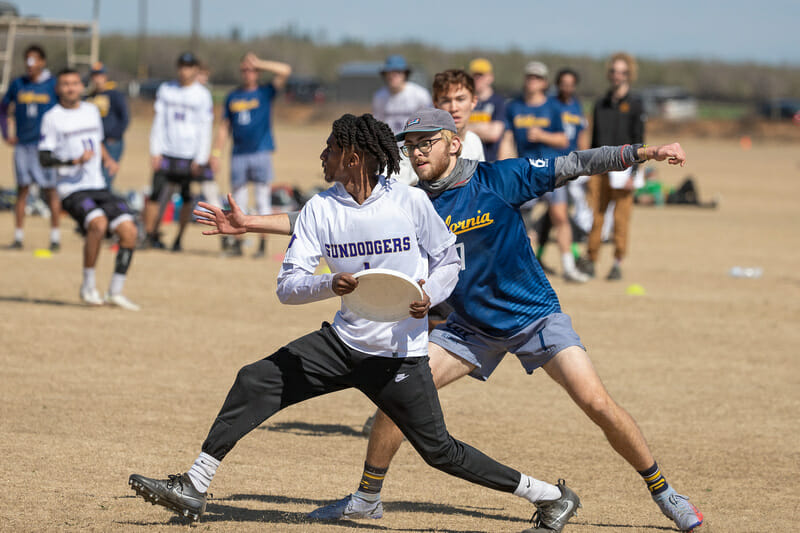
(319,363)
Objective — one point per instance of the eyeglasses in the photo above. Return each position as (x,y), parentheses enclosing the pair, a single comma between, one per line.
(615,71)
(425,147)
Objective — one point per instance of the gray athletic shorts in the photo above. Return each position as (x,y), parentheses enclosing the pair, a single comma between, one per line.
(556,196)
(29,171)
(256,167)
(534,345)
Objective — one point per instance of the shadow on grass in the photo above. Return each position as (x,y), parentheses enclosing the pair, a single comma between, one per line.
(42,301)
(316,430)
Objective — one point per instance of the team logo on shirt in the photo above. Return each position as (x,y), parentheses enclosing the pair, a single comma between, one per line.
(30,97)
(531,121)
(376,247)
(481,220)
(237,106)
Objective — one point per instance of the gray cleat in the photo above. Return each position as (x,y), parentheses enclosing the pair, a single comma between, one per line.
(553,515)
(176,493)
(678,509)
(348,508)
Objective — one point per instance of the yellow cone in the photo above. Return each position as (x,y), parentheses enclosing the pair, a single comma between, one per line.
(42,253)
(635,290)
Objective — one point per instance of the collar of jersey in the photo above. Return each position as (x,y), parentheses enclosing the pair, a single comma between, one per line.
(383,185)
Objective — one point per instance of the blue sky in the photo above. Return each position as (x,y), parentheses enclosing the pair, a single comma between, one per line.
(763,31)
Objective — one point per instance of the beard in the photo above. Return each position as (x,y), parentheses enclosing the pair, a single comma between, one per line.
(434,169)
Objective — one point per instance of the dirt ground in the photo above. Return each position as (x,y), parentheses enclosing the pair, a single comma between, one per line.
(706,363)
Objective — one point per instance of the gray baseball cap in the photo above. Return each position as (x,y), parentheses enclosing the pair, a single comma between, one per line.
(536,68)
(427,119)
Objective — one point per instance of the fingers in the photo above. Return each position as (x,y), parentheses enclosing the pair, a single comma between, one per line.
(232,202)
(211,232)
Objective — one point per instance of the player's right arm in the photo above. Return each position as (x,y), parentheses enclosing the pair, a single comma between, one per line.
(9,98)
(235,222)
(158,130)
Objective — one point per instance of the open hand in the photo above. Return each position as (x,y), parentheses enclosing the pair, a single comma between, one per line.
(673,153)
(233,222)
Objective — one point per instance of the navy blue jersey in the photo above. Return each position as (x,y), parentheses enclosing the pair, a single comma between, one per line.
(489,110)
(574,122)
(501,287)
(520,117)
(31,101)
(249,114)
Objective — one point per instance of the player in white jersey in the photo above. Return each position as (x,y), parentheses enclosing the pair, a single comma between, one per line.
(388,225)
(72,141)
(180,143)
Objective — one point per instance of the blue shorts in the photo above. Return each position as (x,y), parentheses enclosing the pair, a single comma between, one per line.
(255,167)
(28,170)
(534,345)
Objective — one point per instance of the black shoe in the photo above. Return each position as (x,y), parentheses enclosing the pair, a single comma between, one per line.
(176,493)
(585,265)
(262,249)
(235,249)
(176,246)
(55,246)
(614,274)
(152,241)
(553,515)
(16,245)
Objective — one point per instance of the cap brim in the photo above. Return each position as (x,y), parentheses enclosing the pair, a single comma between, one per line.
(402,135)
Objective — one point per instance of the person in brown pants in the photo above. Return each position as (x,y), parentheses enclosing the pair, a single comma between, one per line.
(618,120)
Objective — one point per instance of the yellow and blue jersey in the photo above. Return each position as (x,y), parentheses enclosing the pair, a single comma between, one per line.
(501,287)
(31,101)
(574,122)
(249,114)
(520,117)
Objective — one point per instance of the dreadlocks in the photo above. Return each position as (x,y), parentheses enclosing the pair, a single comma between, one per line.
(372,138)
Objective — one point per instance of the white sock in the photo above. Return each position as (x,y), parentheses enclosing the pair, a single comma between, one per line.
(263,194)
(19,234)
(368,496)
(568,261)
(202,471)
(534,490)
(211,192)
(88,278)
(241,196)
(117,282)
(55,235)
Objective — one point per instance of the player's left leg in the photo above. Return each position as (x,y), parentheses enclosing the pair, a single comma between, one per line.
(185,214)
(95,225)
(560,218)
(623,209)
(125,228)
(54,203)
(572,369)
(262,175)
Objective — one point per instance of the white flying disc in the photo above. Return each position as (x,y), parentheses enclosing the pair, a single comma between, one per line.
(382,295)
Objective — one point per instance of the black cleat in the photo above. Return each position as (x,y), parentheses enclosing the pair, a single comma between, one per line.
(176,246)
(614,274)
(16,245)
(553,515)
(585,265)
(176,493)
(55,246)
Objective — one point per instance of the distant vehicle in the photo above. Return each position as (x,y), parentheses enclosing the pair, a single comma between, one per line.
(781,109)
(305,89)
(670,103)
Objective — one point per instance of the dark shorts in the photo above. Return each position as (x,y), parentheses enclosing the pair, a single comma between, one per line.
(176,171)
(85,206)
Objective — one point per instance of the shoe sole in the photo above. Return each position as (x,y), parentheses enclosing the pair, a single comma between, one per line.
(149,496)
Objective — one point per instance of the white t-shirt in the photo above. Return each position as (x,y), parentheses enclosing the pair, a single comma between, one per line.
(396,228)
(68,133)
(182,123)
(472,147)
(394,109)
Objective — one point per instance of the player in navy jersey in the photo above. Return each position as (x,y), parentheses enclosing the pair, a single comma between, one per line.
(488,117)
(32,95)
(247,117)
(534,122)
(508,306)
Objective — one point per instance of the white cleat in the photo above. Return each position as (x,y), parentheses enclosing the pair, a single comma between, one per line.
(119,300)
(575,276)
(91,296)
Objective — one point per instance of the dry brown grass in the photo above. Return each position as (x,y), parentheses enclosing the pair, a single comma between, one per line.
(706,363)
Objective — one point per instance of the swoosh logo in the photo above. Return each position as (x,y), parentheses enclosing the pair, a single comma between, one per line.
(400,377)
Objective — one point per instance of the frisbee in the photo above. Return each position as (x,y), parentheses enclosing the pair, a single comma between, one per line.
(382,295)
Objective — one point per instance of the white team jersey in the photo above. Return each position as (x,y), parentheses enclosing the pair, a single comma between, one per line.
(68,133)
(182,123)
(396,228)
(472,147)
(394,109)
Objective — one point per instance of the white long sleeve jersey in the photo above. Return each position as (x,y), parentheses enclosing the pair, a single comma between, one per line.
(396,228)
(182,123)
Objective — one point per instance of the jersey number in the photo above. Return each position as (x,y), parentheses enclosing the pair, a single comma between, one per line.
(243,118)
(461,255)
(32,110)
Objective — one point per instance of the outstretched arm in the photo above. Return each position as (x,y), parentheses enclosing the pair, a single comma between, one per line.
(235,222)
(606,158)
(279,69)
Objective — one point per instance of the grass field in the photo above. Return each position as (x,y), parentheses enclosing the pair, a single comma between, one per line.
(706,363)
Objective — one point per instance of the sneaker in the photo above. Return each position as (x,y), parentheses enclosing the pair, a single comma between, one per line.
(152,241)
(576,276)
(614,274)
(262,250)
(16,245)
(55,246)
(91,296)
(176,493)
(553,515)
(119,300)
(678,509)
(585,265)
(176,246)
(235,249)
(348,508)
